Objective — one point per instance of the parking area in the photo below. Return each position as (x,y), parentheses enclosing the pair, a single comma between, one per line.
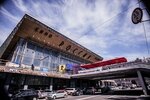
(99,97)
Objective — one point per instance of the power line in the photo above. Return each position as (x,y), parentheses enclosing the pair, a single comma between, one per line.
(146,41)
(113,17)
(145,37)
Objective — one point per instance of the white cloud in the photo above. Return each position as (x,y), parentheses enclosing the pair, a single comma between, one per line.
(4,35)
(10,16)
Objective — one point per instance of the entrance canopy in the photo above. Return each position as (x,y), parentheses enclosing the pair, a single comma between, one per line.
(104,63)
(126,70)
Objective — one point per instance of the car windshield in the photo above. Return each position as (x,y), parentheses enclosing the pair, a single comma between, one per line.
(48,91)
(90,88)
(60,91)
(69,89)
(52,92)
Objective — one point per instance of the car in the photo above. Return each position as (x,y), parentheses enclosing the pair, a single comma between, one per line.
(41,94)
(98,90)
(70,90)
(25,95)
(57,94)
(90,90)
(77,92)
(47,91)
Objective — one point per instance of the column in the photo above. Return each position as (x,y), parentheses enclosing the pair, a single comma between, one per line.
(51,84)
(143,83)
(81,83)
(25,82)
(8,79)
(25,87)
(72,83)
(6,87)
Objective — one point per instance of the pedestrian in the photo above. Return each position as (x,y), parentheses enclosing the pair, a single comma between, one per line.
(32,67)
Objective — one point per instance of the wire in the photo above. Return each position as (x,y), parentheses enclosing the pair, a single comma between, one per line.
(145,37)
(113,17)
(146,41)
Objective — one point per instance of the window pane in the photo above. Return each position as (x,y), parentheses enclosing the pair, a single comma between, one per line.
(38,56)
(18,59)
(29,53)
(36,62)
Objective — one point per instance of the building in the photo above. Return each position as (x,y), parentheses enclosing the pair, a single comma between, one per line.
(32,42)
(35,46)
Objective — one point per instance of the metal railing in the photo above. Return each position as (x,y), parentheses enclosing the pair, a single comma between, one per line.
(116,67)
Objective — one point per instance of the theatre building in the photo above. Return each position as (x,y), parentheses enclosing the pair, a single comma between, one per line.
(35,55)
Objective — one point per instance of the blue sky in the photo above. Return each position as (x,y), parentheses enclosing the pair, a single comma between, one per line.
(103,26)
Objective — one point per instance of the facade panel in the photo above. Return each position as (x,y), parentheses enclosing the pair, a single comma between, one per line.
(48,59)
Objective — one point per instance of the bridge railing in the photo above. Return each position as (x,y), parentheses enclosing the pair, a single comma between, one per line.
(125,65)
(115,67)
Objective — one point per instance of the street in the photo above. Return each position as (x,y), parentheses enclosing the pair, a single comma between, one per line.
(99,97)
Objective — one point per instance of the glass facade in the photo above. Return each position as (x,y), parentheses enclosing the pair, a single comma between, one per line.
(48,59)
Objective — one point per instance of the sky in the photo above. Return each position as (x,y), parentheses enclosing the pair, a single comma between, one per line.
(102,26)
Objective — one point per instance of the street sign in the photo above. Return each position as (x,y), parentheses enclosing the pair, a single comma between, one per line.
(137,15)
(62,68)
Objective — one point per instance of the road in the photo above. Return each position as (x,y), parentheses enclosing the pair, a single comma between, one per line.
(100,97)
(104,97)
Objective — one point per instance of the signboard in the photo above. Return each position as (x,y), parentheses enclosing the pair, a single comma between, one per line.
(137,15)
(62,68)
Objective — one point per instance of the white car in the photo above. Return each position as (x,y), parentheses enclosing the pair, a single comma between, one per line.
(70,90)
(57,94)
(41,94)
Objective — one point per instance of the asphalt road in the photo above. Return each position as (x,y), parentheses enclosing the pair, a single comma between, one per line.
(100,97)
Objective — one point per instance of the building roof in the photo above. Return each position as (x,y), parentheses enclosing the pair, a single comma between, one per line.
(32,29)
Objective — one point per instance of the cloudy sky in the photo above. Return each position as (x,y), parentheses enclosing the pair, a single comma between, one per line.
(103,26)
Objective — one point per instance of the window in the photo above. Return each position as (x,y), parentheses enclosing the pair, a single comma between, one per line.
(41,31)
(84,54)
(97,58)
(50,35)
(45,58)
(80,52)
(29,53)
(68,47)
(38,56)
(89,56)
(62,43)
(36,29)
(45,33)
(18,59)
(55,53)
(75,50)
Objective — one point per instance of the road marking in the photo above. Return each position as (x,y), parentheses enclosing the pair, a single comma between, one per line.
(86,98)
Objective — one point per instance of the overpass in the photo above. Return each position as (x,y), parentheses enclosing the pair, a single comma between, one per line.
(123,70)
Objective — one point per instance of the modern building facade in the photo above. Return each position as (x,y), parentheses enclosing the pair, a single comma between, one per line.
(34,44)
(35,55)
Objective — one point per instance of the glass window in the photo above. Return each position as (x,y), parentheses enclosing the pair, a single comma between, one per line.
(18,59)
(29,53)
(36,62)
(38,56)
(27,60)
(46,58)
(55,53)
(18,52)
